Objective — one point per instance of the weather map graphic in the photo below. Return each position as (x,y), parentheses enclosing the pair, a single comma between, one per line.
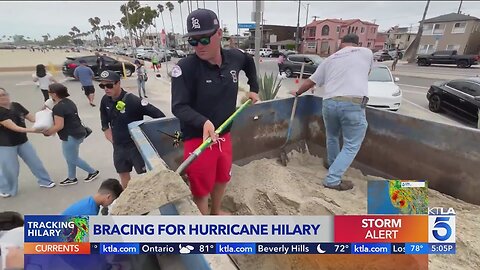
(79,232)
(405,197)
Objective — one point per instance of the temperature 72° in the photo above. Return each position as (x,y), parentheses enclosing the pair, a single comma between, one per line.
(341,248)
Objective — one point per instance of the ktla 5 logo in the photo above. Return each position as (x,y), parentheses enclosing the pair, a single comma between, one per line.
(441,228)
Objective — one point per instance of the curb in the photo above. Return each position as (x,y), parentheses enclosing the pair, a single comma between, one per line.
(439,77)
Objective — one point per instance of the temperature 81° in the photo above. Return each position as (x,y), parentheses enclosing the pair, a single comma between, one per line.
(206,248)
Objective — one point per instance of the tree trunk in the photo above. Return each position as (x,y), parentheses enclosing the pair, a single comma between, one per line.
(181,16)
(411,52)
(173,30)
(163,22)
(99,37)
(218,12)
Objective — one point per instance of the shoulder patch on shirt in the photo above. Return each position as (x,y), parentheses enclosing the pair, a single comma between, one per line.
(176,71)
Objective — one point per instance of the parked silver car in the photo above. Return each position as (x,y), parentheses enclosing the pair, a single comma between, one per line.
(293,64)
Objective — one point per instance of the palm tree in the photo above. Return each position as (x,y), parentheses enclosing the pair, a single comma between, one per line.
(119,24)
(181,15)
(161,9)
(169,5)
(112,27)
(95,30)
(92,23)
(75,29)
(188,6)
(95,22)
(103,28)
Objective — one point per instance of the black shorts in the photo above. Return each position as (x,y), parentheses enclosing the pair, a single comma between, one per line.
(127,156)
(88,89)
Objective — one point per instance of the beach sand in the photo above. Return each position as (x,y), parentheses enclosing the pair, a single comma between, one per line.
(26,58)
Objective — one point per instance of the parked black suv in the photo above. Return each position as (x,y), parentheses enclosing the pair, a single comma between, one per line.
(110,63)
(293,64)
(461,97)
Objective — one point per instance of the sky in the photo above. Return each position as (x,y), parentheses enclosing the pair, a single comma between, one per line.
(35,18)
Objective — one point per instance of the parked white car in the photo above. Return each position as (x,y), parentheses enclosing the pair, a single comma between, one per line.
(250,51)
(383,92)
(265,52)
(141,51)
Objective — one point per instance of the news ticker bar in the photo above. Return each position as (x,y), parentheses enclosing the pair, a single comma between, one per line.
(239,248)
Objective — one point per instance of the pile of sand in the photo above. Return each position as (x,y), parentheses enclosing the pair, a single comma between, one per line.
(264,187)
(150,191)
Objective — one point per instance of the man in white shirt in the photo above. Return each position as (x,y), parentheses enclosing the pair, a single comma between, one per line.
(345,77)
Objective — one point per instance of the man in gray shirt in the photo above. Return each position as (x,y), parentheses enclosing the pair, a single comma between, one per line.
(85,75)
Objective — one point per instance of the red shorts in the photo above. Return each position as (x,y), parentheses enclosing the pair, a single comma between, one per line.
(212,166)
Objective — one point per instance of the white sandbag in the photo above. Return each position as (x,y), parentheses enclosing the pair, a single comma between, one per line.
(49,103)
(43,120)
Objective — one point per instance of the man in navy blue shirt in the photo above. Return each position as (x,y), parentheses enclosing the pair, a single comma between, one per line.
(118,109)
(204,95)
(109,190)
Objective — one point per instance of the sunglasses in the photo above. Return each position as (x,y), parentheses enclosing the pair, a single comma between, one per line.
(107,85)
(203,40)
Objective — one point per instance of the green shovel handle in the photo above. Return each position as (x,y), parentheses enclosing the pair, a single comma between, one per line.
(208,141)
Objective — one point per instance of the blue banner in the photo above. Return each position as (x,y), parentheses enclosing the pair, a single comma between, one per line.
(221,248)
(446,248)
(371,248)
(236,248)
(119,248)
(247,25)
(416,248)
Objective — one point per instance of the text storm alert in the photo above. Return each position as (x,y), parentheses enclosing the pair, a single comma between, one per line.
(378,229)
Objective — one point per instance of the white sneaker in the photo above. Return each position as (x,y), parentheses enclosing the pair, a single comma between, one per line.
(51,185)
(4,195)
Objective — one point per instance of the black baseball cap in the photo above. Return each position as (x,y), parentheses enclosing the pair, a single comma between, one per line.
(350,38)
(109,75)
(202,22)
